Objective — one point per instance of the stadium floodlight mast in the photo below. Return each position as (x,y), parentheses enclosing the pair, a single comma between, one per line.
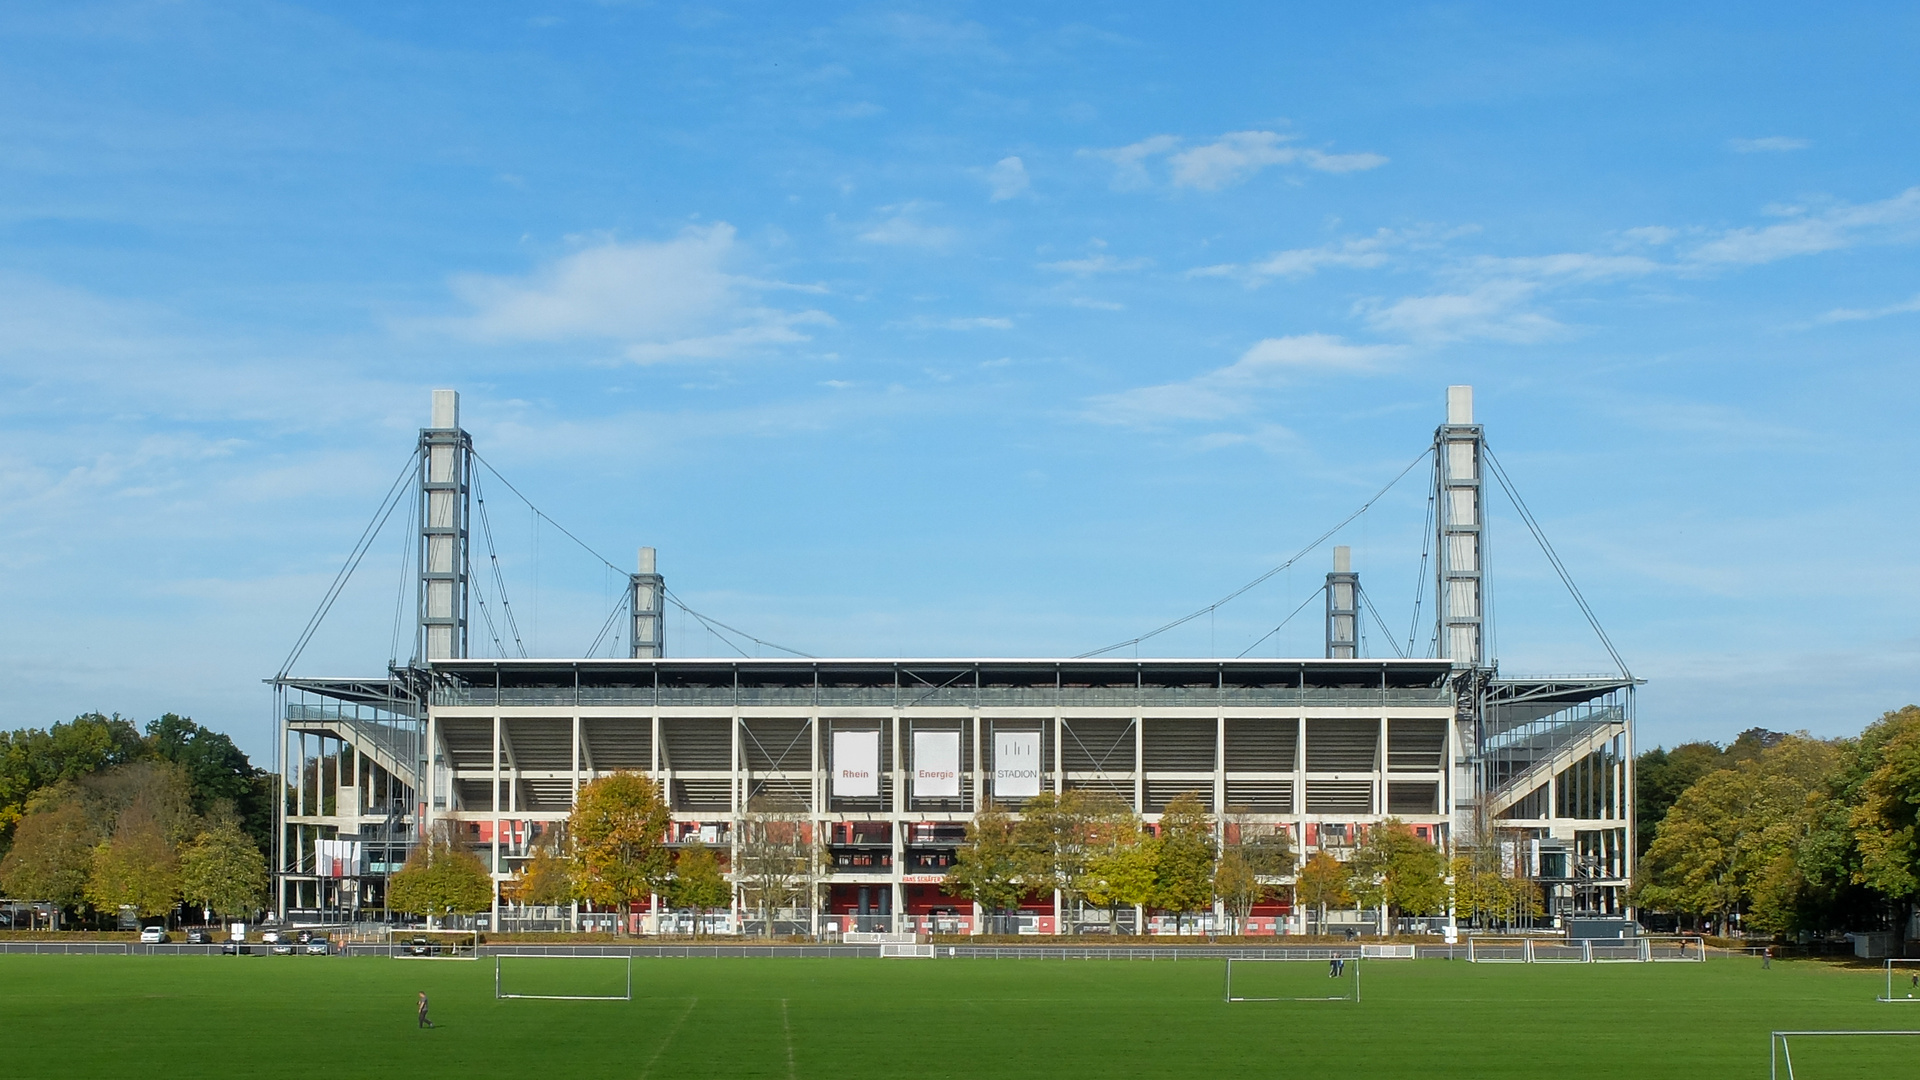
(502,991)
(1294,979)
(1780,1049)
(1907,972)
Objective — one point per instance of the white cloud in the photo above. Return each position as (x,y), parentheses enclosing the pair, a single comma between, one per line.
(1650,235)
(1565,266)
(1888,221)
(1360,253)
(1095,264)
(1130,162)
(1493,310)
(661,300)
(1007,179)
(1233,157)
(1860,314)
(1225,391)
(977,322)
(902,227)
(1771,144)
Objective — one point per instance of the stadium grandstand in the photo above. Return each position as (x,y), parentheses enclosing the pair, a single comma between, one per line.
(887,759)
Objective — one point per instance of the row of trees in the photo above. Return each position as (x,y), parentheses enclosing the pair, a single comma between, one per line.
(1091,847)
(130,836)
(613,852)
(1787,834)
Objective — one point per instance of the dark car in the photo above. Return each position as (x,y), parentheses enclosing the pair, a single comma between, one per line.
(199,935)
(420,947)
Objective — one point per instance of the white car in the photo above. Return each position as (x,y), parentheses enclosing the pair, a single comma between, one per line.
(154,935)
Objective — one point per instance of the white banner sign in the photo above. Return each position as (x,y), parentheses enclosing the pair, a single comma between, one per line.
(336,858)
(1016,764)
(856,764)
(936,764)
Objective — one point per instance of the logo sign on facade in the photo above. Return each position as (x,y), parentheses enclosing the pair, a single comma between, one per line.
(1016,764)
(936,764)
(856,764)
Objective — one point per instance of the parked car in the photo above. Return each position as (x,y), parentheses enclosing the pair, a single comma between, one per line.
(199,935)
(154,935)
(318,946)
(420,947)
(233,947)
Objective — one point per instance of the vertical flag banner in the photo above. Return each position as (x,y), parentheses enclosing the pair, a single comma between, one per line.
(936,764)
(1016,764)
(856,764)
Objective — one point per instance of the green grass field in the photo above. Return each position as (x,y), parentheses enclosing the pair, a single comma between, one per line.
(306,1017)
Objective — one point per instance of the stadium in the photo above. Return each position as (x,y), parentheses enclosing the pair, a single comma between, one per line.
(886,759)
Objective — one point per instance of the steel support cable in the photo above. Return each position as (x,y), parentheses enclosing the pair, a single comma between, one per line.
(1426,549)
(542,514)
(1242,590)
(1540,536)
(400,590)
(607,626)
(387,505)
(710,622)
(1382,623)
(705,620)
(499,579)
(1283,622)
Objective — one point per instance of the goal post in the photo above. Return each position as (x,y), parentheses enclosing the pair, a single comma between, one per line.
(1290,979)
(405,944)
(1675,948)
(1903,981)
(1829,1054)
(563,978)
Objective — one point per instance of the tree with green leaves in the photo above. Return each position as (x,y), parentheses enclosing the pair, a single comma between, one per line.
(1886,821)
(618,834)
(1058,835)
(32,759)
(1734,836)
(1183,874)
(543,879)
(1396,870)
(138,867)
(216,772)
(1122,873)
(986,867)
(442,877)
(1321,884)
(699,883)
(52,853)
(222,871)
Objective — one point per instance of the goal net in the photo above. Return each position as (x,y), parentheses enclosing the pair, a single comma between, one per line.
(1903,981)
(1496,950)
(434,944)
(1675,949)
(1264,979)
(564,978)
(1829,1055)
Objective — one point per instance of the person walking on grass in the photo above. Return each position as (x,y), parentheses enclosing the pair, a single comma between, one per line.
(1766,958)
(424,1022)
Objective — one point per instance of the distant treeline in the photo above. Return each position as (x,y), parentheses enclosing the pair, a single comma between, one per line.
(1784,834)
(96,814)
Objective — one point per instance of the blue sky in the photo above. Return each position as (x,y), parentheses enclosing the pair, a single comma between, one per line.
(962,329)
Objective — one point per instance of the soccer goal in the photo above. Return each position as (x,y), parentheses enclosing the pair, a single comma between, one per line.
(1826,1055)
(1903,981)
(433,944)
(563,978)
(1497,950)
(1675,949)
(1275,979)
